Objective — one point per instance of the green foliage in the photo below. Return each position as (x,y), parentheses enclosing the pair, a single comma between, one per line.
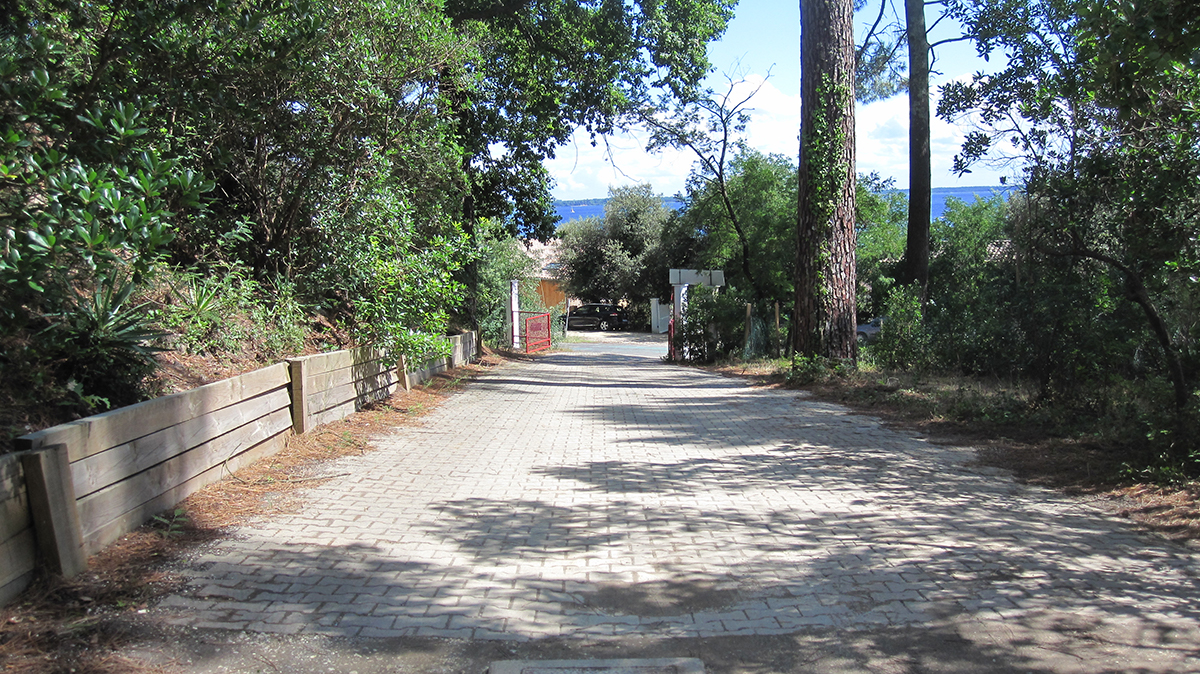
(84,193)
(904,342)
(825,273)
(171,523)
(329,153)
(881,216)
(805,370)
(397,282)
(616,258)
(1099,100)
(975,302)
(502,259)
(102,345)
(762,192)
(550,67)
(714,327)
(229,314)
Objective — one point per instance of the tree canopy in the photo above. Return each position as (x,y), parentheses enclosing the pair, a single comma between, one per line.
(343,150)
(548,68)
(616,257)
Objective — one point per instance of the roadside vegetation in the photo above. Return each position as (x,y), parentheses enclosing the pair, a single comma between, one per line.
(189,189)
(1069,310)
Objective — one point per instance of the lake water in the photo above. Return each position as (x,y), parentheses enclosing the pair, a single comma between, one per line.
(568,211)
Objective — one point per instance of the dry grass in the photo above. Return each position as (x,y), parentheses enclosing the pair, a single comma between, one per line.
(78,625)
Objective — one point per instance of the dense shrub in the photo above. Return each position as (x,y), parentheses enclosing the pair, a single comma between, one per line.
(714,326)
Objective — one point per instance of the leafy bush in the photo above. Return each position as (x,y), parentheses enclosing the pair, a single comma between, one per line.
(881,215)
(101,348)
(714,325)
(228,314)
(371,264)
(903,342)
(817,369)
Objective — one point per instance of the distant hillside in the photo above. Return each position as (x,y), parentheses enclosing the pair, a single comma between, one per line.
(581,202)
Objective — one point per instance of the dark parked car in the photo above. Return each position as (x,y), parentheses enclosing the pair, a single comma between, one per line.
(869,332)
(597,317)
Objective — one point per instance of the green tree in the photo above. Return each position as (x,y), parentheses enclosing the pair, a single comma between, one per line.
(502,259)
(88,203)
(710,125)
(881,75)
(611,258)
(825,273)
(757,255)
(293,138)
(551,67)
(880,214)
(1099,98)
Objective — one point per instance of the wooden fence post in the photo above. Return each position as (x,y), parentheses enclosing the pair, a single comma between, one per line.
(300,417)
(52,507)
(746,344)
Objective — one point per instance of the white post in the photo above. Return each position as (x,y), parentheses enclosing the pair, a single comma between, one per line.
(514,309)
(677,313)
(654,316)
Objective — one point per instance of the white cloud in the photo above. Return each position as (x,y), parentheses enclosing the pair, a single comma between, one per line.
(582,171)
(882,136)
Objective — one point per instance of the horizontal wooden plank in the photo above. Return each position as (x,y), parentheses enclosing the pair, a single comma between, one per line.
(106,505)
(95,434)
(14,515)
(17,556)
(428,370)
(324,362)
(128,521)
(13,589)
(12,478)
(334,413)
(319,401)
(349,407)
(98,471)
(344,375)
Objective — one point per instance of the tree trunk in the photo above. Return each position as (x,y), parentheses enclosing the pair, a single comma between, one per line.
(825,271)
(916,252)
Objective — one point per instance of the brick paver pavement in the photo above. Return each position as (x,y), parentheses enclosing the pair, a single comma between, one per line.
(602,494)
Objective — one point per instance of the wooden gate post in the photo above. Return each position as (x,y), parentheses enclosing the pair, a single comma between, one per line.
(300,417)
(55,516)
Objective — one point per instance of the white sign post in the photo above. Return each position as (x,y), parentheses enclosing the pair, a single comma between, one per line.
(514,309)
(697,277)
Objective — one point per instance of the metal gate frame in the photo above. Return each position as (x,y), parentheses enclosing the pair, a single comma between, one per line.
(540,323)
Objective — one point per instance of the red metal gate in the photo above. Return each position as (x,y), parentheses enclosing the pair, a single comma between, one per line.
(537,333)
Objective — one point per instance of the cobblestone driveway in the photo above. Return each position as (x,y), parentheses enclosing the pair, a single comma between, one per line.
(601,493)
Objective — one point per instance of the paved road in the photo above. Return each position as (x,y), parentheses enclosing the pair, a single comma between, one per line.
(603,494)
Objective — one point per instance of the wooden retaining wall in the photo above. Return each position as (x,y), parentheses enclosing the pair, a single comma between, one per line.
(71,490)
(463,348)
(134,462)
(330,386)
(17,550)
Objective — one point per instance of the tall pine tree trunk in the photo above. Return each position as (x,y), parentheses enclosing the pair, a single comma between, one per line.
(825,272)
(916,252)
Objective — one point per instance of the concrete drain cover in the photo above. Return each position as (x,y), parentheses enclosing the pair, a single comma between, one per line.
(645,666)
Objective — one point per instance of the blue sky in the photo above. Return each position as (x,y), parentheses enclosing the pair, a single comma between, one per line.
(764,37)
